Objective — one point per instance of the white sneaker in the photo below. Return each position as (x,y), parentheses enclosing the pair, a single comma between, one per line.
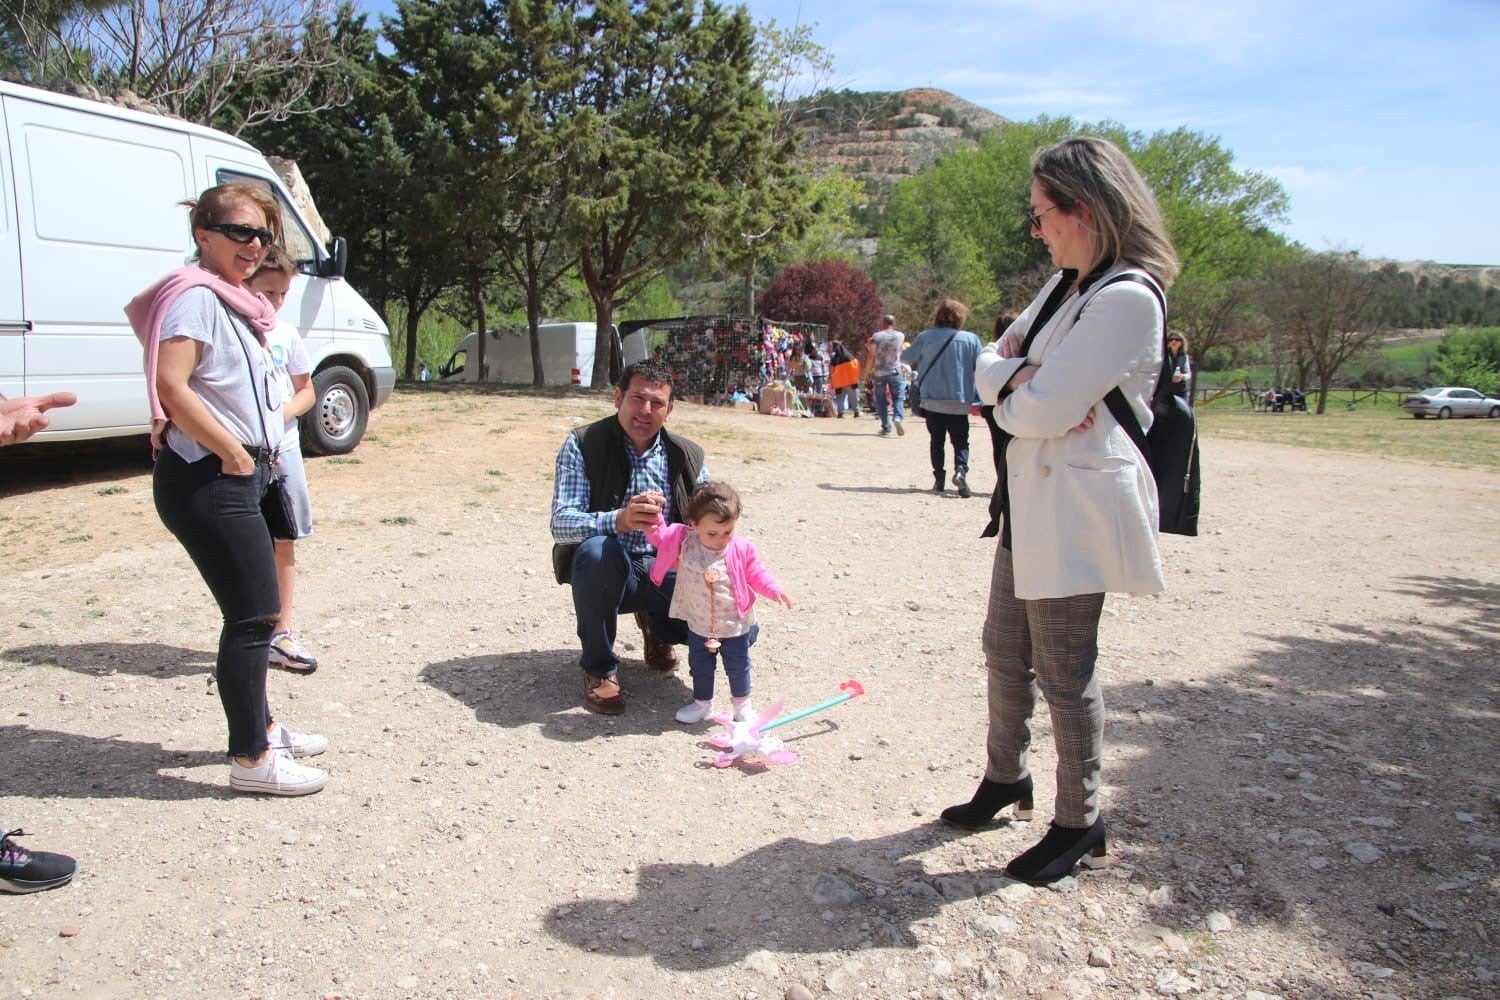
(279,775)
(696,712)
(295,743)
(288,653)
(743,710)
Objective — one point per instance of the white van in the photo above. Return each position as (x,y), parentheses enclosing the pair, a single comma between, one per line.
(90,215)
(567,356)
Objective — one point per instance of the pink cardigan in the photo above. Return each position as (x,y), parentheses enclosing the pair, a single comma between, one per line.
(147,310)
(747,574)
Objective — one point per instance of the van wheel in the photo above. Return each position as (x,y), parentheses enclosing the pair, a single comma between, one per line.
(336,422)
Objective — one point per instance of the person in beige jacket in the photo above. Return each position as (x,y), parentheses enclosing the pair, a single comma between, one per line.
(1078,503)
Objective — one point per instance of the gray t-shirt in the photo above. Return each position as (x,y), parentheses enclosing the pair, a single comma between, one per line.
(887,352)
(245,397)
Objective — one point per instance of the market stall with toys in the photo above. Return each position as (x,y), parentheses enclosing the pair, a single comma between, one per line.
(725,360)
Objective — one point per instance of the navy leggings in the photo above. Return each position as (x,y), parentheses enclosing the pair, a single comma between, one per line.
(218,521)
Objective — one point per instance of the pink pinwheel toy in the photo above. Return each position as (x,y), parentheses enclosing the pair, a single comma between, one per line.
(744,740)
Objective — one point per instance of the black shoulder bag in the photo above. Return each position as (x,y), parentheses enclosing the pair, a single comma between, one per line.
(275,503)
(1171,446)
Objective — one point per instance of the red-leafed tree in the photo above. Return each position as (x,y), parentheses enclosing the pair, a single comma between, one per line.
(833,292)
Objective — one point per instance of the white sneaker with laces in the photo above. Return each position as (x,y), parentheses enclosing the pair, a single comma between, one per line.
(295,743)
(288,653)
(696,712)
(743,710)
(279,775)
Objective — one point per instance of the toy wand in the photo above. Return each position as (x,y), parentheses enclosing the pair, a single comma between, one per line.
(851,688)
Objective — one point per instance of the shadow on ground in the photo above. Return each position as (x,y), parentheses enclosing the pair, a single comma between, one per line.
(145,659)
(788,896)
(510,690)
(45,763)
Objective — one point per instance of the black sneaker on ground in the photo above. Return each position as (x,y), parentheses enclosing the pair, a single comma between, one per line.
(31,871)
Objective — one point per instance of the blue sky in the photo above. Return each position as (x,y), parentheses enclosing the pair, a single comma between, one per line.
(1378,117)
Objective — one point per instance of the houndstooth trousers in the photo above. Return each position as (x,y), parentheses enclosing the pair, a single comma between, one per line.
(1052,645)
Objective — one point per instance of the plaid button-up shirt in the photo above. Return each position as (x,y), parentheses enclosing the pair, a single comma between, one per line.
(572,521)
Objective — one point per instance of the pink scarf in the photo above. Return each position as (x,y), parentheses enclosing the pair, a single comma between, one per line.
(147,310)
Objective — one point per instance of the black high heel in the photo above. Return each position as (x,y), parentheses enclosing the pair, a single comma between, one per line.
(1056,854)
(992,796)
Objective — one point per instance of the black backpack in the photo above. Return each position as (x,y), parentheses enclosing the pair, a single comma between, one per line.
(1171,446)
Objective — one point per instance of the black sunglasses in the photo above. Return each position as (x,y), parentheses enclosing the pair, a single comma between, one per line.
(1034,218)
(242,233)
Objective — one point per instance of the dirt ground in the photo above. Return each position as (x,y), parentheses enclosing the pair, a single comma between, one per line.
(1302,786)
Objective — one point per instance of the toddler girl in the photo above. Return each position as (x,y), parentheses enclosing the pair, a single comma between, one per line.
(718,576)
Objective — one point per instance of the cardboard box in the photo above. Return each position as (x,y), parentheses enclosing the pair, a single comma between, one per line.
(774,396)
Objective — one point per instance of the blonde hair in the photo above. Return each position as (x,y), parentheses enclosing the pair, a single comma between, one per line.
(1127,220)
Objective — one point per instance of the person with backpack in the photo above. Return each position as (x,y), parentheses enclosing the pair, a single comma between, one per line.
(843,379)
(1078,503)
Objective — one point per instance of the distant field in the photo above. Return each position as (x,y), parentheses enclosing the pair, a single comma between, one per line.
(1385,431)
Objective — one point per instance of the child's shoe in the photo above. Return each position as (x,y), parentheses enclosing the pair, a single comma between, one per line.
(696,712)
(743,710)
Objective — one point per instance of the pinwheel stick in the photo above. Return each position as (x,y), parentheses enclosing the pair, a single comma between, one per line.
(850,688)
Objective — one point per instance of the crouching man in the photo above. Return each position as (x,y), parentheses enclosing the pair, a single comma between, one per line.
(614,477)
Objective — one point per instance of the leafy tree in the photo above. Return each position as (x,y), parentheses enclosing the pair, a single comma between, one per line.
(540,42)
(960,227)
(832,292)
(680,144)
(195,59)
(1470,358)
(30,37)
(378,167)
(1328,307)
(1220,219)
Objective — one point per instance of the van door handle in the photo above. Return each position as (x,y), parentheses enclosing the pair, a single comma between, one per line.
(15,326)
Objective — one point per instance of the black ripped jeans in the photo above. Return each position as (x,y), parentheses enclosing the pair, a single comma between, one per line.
(218,521)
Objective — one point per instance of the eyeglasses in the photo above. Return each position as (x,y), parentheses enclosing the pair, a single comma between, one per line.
(1035,218)
(241,233)
(1174,340)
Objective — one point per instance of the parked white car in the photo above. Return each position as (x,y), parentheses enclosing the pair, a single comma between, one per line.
(1451,401)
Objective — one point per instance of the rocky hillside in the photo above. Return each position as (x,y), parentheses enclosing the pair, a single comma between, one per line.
(879,138)
(1486,276)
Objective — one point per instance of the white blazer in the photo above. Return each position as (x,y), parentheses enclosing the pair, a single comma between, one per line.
(1083,509)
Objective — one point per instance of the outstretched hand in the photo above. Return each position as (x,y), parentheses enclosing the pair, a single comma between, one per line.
(23,416)
(785,600)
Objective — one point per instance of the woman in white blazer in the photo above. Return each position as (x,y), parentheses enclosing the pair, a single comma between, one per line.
(1078,502)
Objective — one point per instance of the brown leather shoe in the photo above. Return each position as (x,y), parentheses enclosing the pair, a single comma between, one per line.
(659,655)
(602,695)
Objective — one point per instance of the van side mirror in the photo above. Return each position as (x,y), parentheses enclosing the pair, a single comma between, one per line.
(337,261)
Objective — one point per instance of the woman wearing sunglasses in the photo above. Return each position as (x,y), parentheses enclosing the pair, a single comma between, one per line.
(1182,366)
(216,424)
(1079,506)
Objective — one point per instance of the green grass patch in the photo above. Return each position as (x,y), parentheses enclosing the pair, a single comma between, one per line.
(1385,431)
(400,519)
(109,491)
(345,460)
